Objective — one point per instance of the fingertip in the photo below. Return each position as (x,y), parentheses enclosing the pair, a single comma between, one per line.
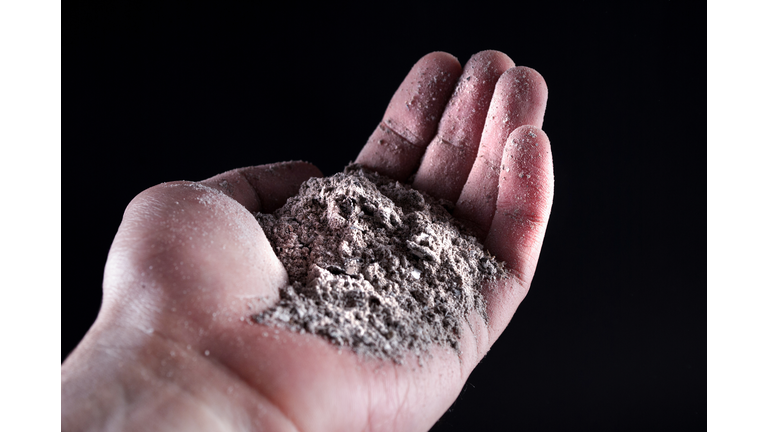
(537,85)
(528,95)
(442,59)
(524,75)
(527,148)
(489,57)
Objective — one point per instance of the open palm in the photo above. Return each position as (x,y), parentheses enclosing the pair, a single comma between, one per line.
(174,347)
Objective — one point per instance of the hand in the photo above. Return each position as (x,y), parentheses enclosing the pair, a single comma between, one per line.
(173,348)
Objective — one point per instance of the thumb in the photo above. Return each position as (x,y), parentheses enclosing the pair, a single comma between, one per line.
(264,188)
(198,243)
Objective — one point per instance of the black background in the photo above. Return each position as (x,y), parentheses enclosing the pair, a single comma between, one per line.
(612,335)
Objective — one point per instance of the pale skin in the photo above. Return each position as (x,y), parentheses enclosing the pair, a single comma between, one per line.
(173,347)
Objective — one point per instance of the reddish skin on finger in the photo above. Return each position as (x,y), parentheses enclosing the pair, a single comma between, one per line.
(519,99)
(451,154)
(526,190)
(410,121)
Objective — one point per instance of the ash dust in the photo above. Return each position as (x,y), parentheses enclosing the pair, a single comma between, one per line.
(375,265)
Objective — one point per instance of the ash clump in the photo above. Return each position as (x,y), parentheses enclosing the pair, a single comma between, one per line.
(375,265)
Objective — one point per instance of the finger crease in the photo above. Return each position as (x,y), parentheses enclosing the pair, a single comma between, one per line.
(519,217)
(411,140)
(461,148)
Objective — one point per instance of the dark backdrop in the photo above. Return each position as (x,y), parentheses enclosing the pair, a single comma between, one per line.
(612,335)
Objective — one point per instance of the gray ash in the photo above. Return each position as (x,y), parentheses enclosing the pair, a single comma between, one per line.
(375,265)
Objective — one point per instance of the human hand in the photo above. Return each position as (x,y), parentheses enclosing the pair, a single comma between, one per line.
(173,346)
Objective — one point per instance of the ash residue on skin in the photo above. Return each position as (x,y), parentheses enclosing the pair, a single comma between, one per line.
(374,265)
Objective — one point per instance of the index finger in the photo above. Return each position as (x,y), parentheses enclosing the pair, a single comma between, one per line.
(410,121)
(263,188)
